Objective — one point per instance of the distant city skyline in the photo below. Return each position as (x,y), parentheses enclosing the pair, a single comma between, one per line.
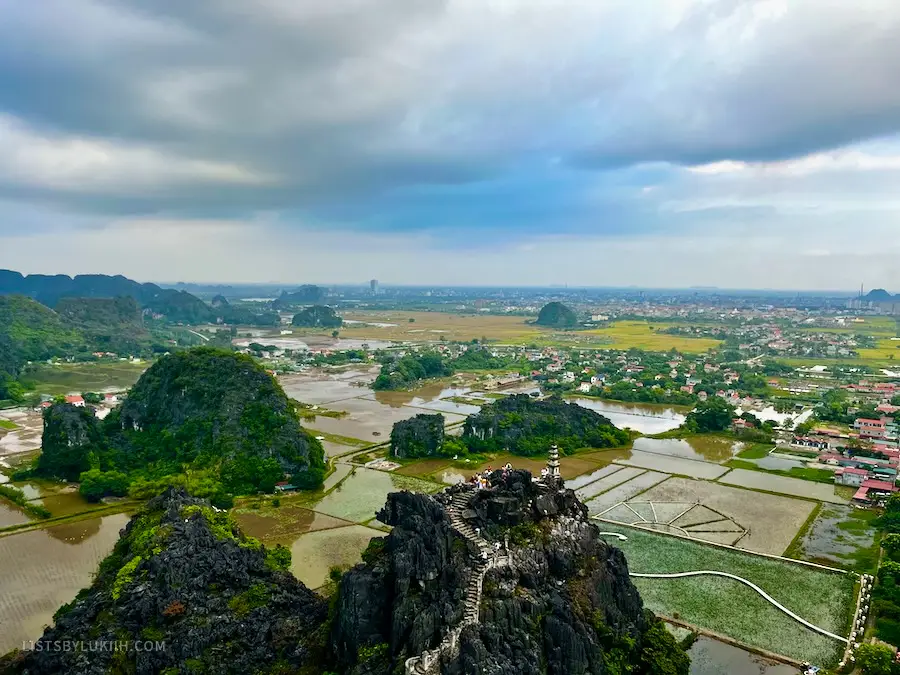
(674,143)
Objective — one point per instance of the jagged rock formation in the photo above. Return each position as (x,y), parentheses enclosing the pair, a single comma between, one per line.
(419,436)
(182,575)
(508,580)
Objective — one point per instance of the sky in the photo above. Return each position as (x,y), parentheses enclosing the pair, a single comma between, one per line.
(658,143)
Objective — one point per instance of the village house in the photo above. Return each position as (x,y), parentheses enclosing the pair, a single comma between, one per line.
(77,401)
(850,476)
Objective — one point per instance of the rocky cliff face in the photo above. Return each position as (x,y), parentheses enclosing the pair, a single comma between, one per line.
(508,580)
(558,600)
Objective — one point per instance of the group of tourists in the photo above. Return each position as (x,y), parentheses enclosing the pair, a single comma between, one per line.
(482,479)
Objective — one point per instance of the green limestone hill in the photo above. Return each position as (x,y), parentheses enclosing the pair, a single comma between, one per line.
(196,594)
(525,426)
(33,331)
(556,315)
(317,316)
(207,405)
(419,436)
(204,408)
(108,324)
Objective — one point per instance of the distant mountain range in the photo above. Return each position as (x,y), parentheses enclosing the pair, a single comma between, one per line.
(177,306)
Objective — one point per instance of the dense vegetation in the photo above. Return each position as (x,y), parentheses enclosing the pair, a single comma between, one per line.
(556,315)
(525,426)
(317,316)
(626,391)
(214,416)
(886,595)
(419,436)
(409,370)
(714,414)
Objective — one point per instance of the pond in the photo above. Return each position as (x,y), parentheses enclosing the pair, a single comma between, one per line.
(705,448)
(44,569)
(711,657)
(643,417)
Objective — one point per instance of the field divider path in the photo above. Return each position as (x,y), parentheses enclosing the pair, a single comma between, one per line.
(766,596)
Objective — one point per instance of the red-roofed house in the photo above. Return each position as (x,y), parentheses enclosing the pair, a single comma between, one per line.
(869,428)
(77,401)
(850,476)
(873,491)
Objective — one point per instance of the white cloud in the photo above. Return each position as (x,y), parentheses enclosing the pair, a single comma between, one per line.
(84,164)
(837,160)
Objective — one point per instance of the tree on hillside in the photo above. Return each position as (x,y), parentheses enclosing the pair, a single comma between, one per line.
(714,414)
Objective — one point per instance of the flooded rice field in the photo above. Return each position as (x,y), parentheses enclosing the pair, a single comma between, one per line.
(284,525)
(317,387)
(841,536)
(313,554)
(643,417)
(44,569)
(361,495)
(26,437)
(704,448)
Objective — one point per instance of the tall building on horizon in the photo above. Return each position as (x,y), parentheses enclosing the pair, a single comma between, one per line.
(373,286)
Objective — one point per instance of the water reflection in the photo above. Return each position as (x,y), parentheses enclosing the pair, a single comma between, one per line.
(643,417)
(41,570)
(708,448)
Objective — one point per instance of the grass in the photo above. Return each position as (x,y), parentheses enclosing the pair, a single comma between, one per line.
(642,335)
(8,426)
(17,497)
(755,451)
(431,326)
(342,440)
(79,377)
(815,475)
(732,609)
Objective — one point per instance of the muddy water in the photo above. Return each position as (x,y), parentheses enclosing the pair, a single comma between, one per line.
(43,569)
(321,387)
(418,397)
(648,419)
(711,657)
(313,554)
(707,448)
(367,419)
(11,515)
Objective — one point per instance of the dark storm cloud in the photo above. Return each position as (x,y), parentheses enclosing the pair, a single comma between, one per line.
(217,108)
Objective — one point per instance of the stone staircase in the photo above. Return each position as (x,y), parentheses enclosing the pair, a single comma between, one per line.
(429,662)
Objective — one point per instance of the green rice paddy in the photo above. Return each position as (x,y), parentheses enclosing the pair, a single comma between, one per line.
(728,607)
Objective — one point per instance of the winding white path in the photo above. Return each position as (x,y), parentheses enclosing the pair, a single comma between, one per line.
(756,588)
